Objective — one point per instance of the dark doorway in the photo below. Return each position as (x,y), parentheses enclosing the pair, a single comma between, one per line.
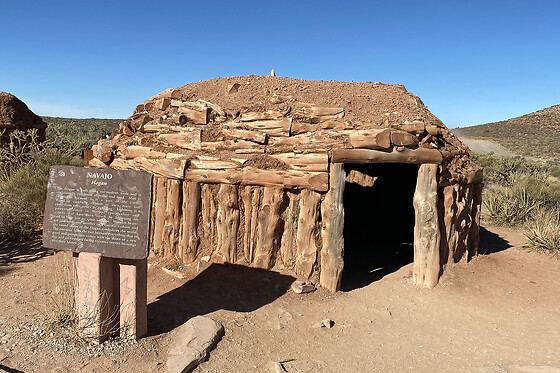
(378,221)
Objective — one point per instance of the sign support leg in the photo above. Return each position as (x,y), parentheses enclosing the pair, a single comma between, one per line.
(133,297)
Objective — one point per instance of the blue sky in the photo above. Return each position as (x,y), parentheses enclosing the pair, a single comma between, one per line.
(471,62)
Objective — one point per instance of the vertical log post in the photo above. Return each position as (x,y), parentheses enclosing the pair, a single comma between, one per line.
(426,268)
(96,302)
(189,239)
(133,283)
(332,211)
(268,237)
(171,224)
(307,229)
(227,224)
(288,249)
(160,206)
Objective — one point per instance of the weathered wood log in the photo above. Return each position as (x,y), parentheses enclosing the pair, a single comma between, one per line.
(303,127)
(163,103)
(214,107)
(123,164)
(320,141)
(332,216)
(268,228)
(373,138)
(170,168)
(306,233)
(195,116)
(133,151)
(357,177)
(187,139)
(474,232)
(403,138)
(227,223)
(160,206)
(470,177)
(280,127)
(163,128)
(317,181)
(415,127)
(171,224)
(190,217)
(247,198)
(433,130)
(265,115)
(153,215)
(414,156)
(94,162)
(257,197)
(426,267)
(209,214)
(255,136)
(305,162)
(288,248)
(103,153)
(236,145)
(210,164)
(316,114)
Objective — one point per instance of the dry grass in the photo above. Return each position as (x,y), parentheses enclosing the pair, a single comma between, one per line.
(543,232)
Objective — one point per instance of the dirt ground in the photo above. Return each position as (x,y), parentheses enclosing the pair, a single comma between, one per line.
(502,309)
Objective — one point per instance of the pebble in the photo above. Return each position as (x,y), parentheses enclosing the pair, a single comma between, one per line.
(326,323)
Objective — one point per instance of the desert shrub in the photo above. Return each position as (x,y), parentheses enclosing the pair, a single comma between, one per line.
(18,219)
(509,205)
(543,231)
(508,171)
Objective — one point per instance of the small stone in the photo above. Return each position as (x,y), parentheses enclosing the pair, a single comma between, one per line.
(326,323)
(233,88)
(302,287)
(278,368)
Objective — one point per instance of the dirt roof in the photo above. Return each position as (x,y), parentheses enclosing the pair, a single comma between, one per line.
(236,119)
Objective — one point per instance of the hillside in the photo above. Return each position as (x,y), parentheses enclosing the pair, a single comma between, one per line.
(88,130)
(536,134)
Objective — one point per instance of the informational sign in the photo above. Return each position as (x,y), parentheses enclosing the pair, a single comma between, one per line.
(99,211)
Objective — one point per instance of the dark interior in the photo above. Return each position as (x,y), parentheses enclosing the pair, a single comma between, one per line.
(378,223)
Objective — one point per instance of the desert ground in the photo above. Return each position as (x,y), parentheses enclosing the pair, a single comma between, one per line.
(497,313)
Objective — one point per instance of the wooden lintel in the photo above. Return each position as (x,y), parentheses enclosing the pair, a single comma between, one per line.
(414,156)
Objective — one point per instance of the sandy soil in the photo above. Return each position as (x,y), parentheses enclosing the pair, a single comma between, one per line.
(502,309)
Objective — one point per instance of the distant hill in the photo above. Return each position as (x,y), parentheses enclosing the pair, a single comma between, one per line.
(88,131)
(536,134)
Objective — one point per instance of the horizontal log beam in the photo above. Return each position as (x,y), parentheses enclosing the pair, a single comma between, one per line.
(413,156)
(289,179)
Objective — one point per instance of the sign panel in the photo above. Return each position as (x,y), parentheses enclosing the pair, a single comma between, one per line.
(99,211)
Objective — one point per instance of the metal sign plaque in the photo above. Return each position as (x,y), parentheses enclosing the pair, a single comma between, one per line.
(99,211)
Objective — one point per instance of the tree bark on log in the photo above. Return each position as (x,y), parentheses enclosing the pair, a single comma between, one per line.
(288,249)
(257,200)
(227,223)
(305,162)
(171,225)
(414,156)
(268,228)
(306,233)
(209,215)
(247,198)
(374,138)
(189,231)
(160,206)
(426,267)
(332,212)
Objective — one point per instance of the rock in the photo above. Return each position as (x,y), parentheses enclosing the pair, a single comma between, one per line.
(301,287)
(192,342)
(326,323)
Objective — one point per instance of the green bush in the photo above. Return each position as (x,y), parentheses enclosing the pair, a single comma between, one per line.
(543,231)
(509,205)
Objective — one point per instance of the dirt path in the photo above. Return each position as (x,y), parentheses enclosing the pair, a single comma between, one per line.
(502,309)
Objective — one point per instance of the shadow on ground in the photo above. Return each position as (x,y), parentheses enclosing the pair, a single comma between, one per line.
(21,252)
(491,243)
(219,287)
(4,368)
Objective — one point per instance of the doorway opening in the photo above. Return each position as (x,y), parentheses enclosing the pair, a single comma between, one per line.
(378,221)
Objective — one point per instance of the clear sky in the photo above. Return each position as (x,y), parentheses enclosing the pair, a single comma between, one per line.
(471,62)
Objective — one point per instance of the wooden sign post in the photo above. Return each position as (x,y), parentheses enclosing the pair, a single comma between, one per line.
(103,217)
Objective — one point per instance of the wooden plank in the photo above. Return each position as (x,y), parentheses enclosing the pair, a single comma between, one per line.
(171,224)
(414,156)
(332,216)
(288,179)
(265,115)
(255,136)
(268,235)
(373,138)
(195,116)
(306,233)
(305,162)
(133,151)
(190,217)
(210,164)
(426,268)
(160,206)
(190,140)
(227,223)
(170,168)
(288,251)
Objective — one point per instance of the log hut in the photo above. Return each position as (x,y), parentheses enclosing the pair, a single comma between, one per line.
(300,176)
